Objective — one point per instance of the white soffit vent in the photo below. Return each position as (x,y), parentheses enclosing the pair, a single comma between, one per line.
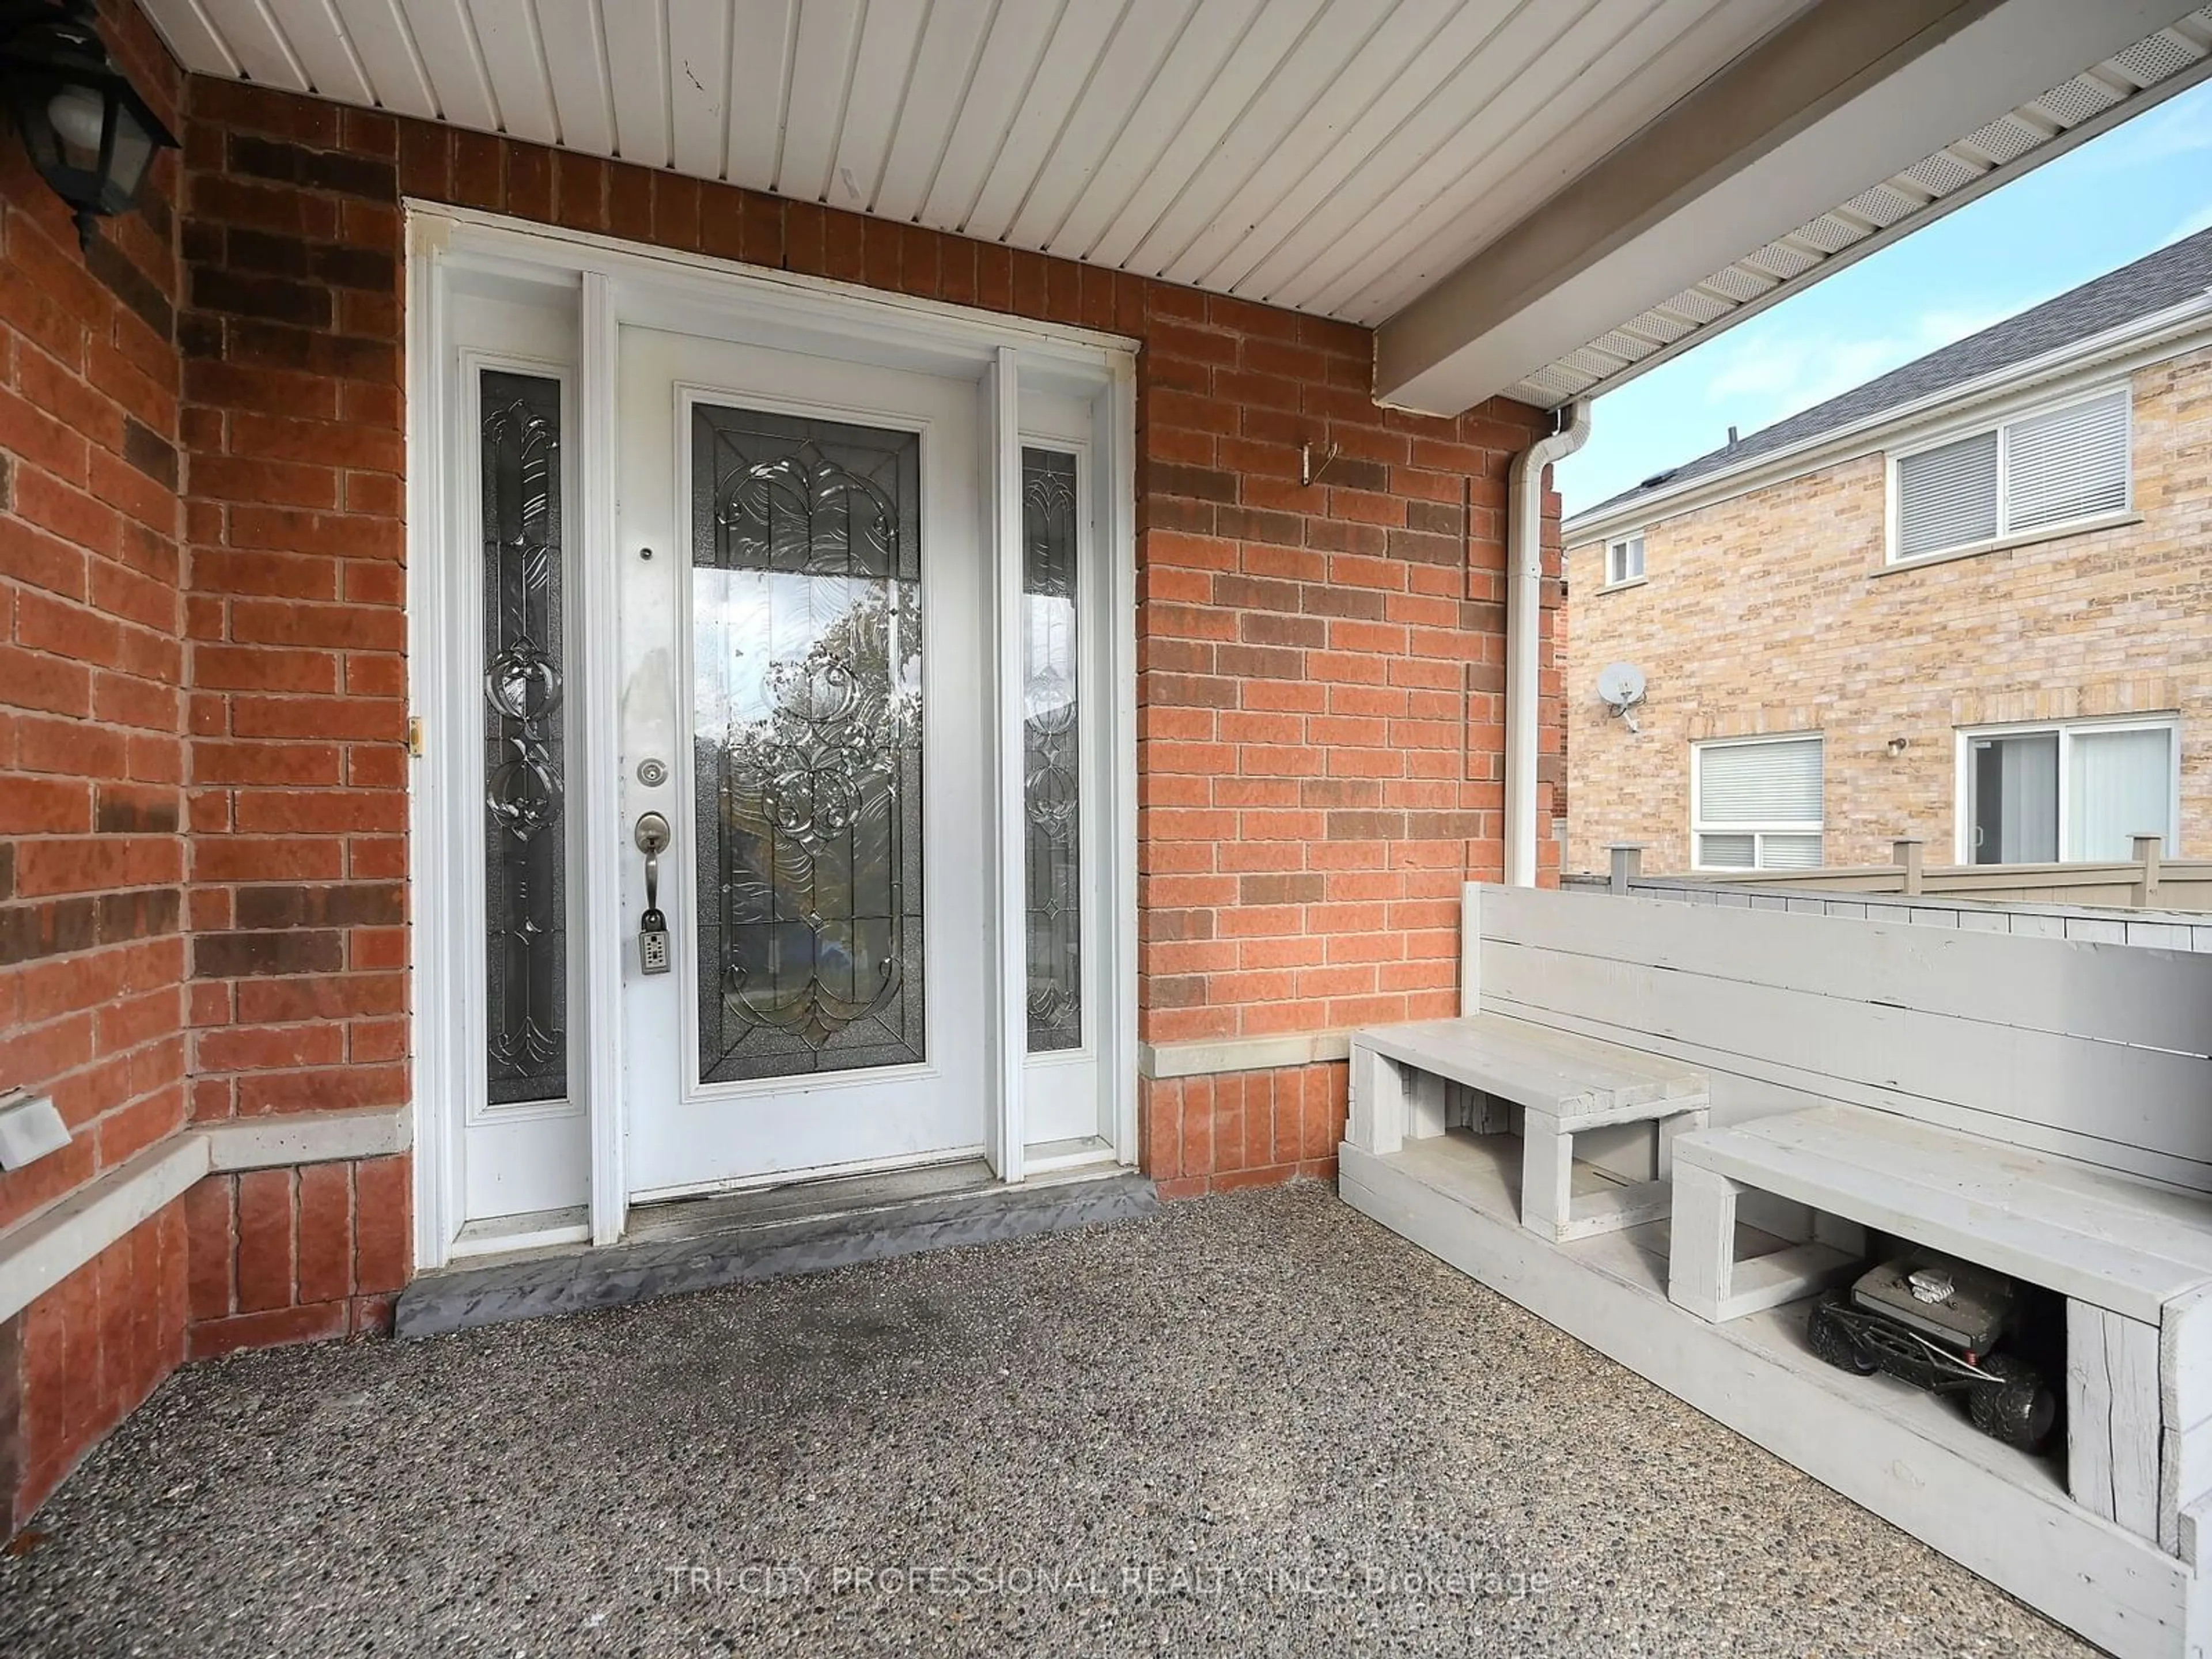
(2092,101)
(1309,154)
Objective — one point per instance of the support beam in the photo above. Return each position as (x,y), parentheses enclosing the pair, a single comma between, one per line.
(1838,100)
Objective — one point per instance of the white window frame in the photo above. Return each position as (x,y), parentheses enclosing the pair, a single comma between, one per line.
(2001,425)
(1962,794)
(1700,828)
(1620,545)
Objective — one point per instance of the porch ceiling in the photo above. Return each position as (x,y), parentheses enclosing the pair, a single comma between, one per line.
(1313,154)
(1488,178)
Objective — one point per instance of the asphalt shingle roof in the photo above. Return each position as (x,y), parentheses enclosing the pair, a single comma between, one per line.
(2151,284)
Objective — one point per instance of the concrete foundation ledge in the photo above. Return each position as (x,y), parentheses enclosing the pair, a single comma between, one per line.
(727,1246)
(41,1251)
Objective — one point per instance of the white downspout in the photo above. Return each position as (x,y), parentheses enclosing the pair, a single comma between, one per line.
(1524,579)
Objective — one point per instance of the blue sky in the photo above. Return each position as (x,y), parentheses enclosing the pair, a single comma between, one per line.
(2145,183)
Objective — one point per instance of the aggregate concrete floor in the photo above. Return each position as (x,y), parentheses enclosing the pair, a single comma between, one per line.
(1154,1437)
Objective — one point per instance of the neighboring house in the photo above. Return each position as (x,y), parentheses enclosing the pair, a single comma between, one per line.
(1969,602)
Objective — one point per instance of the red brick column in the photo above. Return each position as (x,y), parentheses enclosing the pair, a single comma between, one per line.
(1252,1128)
(1321,716)
(294,418)
(292,1254)
(296,580)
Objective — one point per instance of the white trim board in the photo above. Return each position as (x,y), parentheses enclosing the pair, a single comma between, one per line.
(267,1143)
(1000,438)
(38,1254)
(490,239)
(2084,923)
(2120,1591)
(1163,1060)
(598,729)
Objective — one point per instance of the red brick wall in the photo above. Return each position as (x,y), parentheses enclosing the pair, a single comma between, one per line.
(296,619)
(89,1350)
(1321,679)
(1321,667)
(1242,1129)
(291,1255)
(1321,716)
(90,668)
(91,956)
(293,426)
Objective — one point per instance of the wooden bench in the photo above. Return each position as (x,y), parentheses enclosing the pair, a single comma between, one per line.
(2134,1261)
(1563,1084)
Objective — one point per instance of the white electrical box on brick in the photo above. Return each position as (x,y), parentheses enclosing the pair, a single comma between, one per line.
(30,1127)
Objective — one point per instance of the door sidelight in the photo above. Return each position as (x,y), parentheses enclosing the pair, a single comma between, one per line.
(652,837)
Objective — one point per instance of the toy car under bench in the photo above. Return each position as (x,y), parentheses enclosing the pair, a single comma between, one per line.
(1933,1321)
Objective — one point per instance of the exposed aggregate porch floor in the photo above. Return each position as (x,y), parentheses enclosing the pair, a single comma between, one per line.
(1155,1437)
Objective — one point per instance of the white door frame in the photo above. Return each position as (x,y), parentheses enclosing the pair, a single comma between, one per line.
(614,284)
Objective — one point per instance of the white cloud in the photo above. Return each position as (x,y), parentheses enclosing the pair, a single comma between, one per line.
(2200,220)
(2180,126)
(1760,381)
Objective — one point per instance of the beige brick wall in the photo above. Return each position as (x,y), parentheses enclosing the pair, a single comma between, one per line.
(1772,612)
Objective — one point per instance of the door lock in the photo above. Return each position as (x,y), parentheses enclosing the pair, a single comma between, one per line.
(653,837)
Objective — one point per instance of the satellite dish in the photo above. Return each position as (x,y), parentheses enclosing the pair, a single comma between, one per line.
(1620,684)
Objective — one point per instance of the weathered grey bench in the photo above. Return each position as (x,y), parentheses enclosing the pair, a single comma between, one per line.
(1563,1084)
(2134,1261)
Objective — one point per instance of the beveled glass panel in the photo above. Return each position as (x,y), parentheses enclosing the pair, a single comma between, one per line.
(806,650)
(1051,751)
(526,963)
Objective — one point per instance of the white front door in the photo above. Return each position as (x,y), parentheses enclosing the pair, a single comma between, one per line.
(841,590)
(805,699)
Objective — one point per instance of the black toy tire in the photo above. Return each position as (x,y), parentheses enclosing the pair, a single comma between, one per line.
(1830,1341)
(2020,1411)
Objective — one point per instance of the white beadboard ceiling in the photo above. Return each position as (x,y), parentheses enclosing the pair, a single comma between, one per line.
(1334,156)
(1330,155)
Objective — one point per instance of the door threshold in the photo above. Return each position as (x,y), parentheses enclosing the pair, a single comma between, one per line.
(507,1234)
(812,1198)
(905,1163)
(1081,1156)
(703,1244)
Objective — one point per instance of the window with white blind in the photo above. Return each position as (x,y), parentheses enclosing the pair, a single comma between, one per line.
(2048,468)
(1755,804)
(2077,793)
(1624,561)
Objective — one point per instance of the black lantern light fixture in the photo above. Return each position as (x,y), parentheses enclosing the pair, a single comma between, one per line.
(90,135)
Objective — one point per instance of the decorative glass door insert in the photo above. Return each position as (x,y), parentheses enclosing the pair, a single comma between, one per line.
(808,754)
(526,898)
(810,620)
(1051,752)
